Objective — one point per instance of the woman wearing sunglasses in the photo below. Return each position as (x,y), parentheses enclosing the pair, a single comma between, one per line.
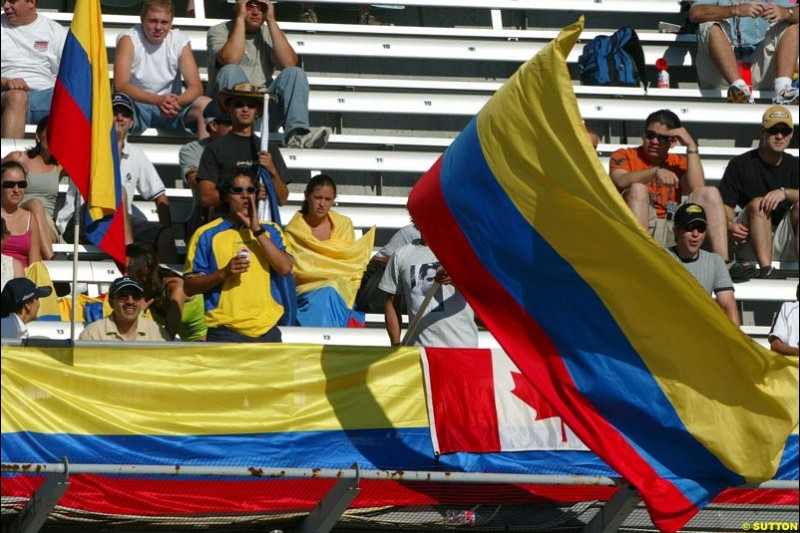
(44,175)
(23,240)
(328,262)
(230,262)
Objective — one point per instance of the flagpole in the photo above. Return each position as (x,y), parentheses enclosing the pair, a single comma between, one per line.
(75,252)
(263,205)
(412,327)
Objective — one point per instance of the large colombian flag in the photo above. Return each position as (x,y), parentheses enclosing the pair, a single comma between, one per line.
(81,131)
(622,342)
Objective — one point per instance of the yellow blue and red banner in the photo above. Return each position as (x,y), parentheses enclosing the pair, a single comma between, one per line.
(81,132)
(290,406)
(621,341)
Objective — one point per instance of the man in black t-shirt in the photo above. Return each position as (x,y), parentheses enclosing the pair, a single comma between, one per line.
(764,183)
(244,104)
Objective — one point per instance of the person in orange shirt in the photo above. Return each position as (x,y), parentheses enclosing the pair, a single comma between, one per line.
(654,183)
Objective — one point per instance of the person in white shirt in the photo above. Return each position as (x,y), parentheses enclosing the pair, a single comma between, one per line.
(784,337)
(20,305)
(150,60)
(31,53)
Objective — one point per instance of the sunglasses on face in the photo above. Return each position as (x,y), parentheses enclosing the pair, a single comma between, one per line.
(699,226)
(136,295)
(127,113)
(240,190)
(783,130)
(662,139)
(11,184)
(245,103)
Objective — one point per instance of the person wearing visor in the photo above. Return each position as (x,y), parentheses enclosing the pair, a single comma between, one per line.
(654,182)
(249,48)
(706,267)
(764,184)
(125,322)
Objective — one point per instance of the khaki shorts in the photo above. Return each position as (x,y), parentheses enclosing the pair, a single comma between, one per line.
(661,228)
(783,248)
(762,69)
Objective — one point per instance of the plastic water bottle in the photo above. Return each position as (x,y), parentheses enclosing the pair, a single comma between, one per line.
(663,76)
(460,518)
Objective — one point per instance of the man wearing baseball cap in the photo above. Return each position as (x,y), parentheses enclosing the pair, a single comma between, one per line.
(708,268)
(125,322)
(764,184)
(20,305)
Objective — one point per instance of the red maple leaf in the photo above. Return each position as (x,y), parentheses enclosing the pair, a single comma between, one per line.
(528,394)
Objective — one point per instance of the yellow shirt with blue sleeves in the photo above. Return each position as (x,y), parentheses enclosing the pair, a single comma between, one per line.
(243,303)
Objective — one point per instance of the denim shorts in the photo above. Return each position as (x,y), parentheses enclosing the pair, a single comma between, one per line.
(149,116)
(38,105)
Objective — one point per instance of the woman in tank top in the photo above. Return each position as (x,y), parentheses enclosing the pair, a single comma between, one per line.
(23,242)
(11,267)
(44,175)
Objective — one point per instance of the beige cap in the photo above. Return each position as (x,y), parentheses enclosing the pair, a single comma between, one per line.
(777,114)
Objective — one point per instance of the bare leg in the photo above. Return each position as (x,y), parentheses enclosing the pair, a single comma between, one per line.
(637,196)
(15,109)
(710,200)
(786,53)
(195,116)
(719,48)
(760,232)
(46,237)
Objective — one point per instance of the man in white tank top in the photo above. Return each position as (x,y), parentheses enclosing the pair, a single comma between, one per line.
(151,60)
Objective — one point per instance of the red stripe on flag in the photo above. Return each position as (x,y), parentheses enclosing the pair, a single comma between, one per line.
(462,395)
(72,147)
(534,353)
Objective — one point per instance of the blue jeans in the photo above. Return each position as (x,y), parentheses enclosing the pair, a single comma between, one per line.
(291,90)
(38,105)
(149,116)
(223,334)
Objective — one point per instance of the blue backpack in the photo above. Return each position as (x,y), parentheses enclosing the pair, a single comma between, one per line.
(613,60)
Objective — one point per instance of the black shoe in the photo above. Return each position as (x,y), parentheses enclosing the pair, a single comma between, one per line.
(741,271)
(769,272)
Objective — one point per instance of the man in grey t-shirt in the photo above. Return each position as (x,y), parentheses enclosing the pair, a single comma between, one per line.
(708,268)
(448,321)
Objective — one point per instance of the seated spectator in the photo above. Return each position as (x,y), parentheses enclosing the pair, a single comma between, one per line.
(22,242)
(149,62)
(44,175)
(328,261)
(170,307)
(762,34)
(365,15)
(138,174)
(370,299)
(12,268)
(31,54)
(240,147)
(707,268)
(764,184)
(218,124)
(20,305)
(230,262)
(125,322)
(784,337)
(654,182)
(248,49)
(448,321)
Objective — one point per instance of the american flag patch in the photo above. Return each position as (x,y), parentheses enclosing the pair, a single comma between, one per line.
(41,46)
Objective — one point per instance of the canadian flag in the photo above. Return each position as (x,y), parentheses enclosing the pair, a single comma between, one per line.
(479,401)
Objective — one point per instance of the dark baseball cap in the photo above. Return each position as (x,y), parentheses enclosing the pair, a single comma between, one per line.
(19,291)
(123,283)
(123,100)
(213,112)
(689,213)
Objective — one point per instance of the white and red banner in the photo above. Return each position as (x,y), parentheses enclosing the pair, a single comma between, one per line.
(479,401)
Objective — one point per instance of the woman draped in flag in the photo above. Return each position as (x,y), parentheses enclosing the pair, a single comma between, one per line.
(328,261)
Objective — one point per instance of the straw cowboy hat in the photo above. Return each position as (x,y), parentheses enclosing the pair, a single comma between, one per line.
(242,90)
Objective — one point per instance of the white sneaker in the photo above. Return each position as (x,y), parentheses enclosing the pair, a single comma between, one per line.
(317,138)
